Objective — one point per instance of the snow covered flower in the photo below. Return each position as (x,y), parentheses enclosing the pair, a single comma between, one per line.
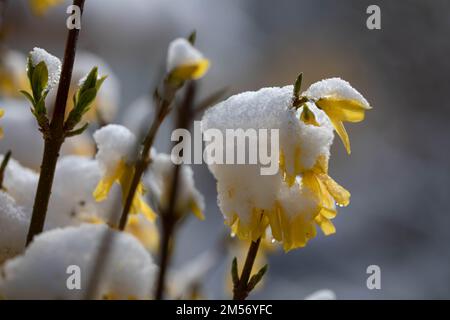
(158,181)
(301,195)
(41,272)
(39,57)
(40,7)
(116,145)
(340,101)
(184,61)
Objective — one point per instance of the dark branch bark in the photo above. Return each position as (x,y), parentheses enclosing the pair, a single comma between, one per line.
(55,138)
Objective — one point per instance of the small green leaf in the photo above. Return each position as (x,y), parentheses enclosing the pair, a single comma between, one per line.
(255,279)
(85,100)
(39,80)
(192,37)
(234,272)
(28,96)
(100,82)
(30,68)
(298,85)
(77,131)
(90,81)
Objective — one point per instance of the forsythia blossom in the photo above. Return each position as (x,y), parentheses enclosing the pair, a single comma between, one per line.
(340,101)
(116,145)
(184,62)
(301,194)
(159,178)
(42,271)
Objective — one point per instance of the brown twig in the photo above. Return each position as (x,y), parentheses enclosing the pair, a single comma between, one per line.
(241,289)
(55,137)
(3,167)
(169,217)
(164,103)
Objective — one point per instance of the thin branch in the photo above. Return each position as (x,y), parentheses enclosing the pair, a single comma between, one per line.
(241,290)
(3,167)
(143,160)
(55,138)
(169,217)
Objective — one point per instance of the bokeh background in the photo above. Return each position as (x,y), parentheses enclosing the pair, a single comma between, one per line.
(398,172)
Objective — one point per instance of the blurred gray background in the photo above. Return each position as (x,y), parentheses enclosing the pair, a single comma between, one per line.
(398,172)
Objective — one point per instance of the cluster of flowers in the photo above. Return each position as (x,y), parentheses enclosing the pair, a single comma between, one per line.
(87,192)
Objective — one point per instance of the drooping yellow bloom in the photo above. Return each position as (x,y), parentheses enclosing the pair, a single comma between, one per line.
(340,110)
(185,62)
(327,192)
(341,102)
(40,7)
(123,174)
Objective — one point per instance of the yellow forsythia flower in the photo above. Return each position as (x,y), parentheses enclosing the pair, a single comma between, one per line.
(123,175)
(116,145)
(341,102)
(184,62)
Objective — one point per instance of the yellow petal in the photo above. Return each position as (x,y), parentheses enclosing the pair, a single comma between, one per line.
(103,188)
(343,110)
(146,233)
(197,211)
(190,71)
(340,129)
(326,225)
(2,113)
(339,193)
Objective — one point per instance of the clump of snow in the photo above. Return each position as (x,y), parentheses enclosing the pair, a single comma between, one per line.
(335,88)
(53,64)
(182,52)
(159,179)
(115,143)
(20,183)
(41,272)
(72,202)
(14,222)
